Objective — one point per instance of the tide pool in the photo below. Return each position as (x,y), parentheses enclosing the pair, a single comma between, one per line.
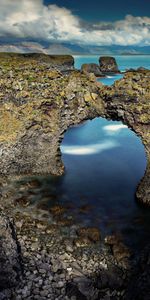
(104,162)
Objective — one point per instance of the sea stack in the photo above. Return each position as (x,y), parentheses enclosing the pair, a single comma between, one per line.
(108,64)
(92,68)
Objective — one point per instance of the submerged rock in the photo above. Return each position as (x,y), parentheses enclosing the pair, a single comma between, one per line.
(108,64)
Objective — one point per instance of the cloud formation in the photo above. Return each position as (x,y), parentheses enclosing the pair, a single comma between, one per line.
(34,20)
(89,149)
(114,129)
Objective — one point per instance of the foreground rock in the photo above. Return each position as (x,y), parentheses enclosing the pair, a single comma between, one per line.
(10,258)
(108,64)
(62,260)
(92,68)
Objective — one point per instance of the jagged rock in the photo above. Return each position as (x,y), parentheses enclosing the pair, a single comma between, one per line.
(108,64)
(92,68)
(10,260)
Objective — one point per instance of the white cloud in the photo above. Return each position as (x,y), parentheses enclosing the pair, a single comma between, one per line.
(32,19)
(113,129)
(89,149)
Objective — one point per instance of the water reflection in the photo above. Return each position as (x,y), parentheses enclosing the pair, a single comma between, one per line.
(104,162)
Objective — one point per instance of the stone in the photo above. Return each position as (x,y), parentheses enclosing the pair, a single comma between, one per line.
(92,68)
(10,256)
(108,64)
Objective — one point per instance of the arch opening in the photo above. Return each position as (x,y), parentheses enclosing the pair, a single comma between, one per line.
(104,162)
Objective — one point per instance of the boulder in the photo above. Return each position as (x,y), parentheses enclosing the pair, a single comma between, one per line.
(92,68)
(108,64)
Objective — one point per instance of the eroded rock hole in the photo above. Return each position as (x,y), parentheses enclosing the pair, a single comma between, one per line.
(104,162)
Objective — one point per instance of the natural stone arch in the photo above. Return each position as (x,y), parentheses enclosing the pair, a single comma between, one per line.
(36,107)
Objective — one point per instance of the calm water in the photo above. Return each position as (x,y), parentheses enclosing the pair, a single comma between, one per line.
(124,63)
(104,162)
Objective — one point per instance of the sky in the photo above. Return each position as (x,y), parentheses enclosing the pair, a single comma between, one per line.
(104,10)
(96,22)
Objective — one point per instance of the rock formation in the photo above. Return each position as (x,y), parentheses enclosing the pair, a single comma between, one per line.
(108,64)
(128,100)
(10,261)
(92,68)
(38,104)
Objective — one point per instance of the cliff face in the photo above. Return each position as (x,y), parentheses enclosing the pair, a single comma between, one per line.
(38,103)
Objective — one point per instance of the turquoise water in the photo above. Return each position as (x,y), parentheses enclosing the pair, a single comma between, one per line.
(124,62)
(104,162)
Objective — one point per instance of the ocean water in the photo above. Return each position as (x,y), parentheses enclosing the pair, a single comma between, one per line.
(104,162)
(124,61)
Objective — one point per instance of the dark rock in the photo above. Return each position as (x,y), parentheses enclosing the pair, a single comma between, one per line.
(92,68)
(108,64)
(10,260)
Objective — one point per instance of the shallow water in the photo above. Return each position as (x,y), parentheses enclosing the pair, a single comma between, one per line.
(104,162)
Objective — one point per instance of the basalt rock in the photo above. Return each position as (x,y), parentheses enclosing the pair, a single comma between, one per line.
(10,260)
(108,64)
(38,104)
(92,68)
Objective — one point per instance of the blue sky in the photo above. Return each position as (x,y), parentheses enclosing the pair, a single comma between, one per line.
(105,10)
(83,23)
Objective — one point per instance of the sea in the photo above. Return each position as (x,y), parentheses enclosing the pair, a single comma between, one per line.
(104,162)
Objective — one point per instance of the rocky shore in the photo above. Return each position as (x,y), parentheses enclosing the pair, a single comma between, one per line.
(107,66)
(44,254)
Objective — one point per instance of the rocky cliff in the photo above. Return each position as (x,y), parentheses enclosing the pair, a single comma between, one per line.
(38,103)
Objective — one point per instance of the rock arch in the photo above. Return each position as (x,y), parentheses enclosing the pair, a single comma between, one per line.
(38,104)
